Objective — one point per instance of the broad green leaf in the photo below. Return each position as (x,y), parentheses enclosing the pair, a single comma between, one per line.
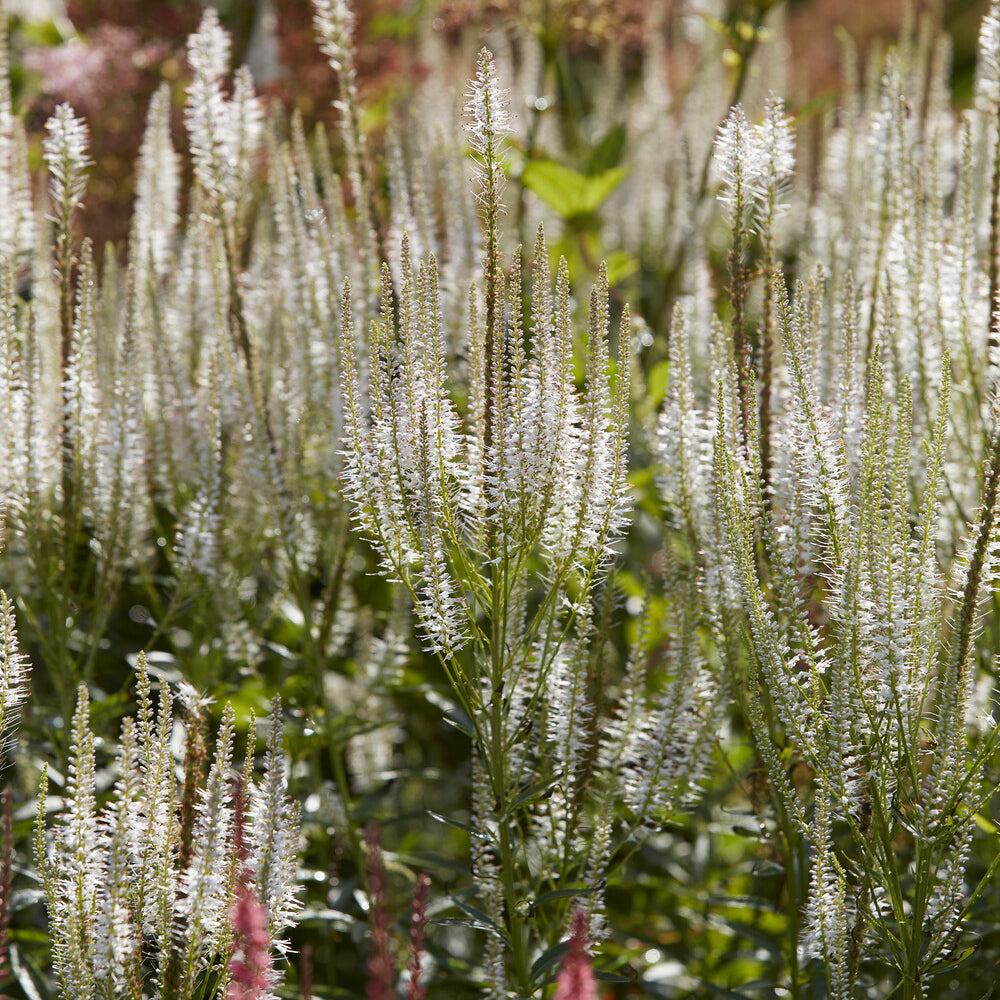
(569,193)
(474,918)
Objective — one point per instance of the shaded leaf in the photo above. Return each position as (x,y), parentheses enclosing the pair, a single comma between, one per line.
(456,824)
(547,897)
(609,150)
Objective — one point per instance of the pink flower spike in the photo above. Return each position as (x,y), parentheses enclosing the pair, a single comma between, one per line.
(381,964)
(576,977)
(250,964)
(416,990)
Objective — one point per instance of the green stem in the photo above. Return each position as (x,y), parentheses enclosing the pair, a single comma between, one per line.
(993,344)
(516,926)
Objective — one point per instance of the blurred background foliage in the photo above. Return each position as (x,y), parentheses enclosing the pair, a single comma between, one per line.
(107,57)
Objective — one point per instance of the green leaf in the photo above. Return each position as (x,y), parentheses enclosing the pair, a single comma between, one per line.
(986,825)
(720,991)
(535,792)
(472,831)
(620,266)
(454,714)
(27,975)
(474,918)
(656,382)
(754,902)
(547,897)
(766,869)
(569,193)
(475,925)
(474,913)
(608,152)
(548,959)
(21,899)
(327,915)
(424,860)
(612,977)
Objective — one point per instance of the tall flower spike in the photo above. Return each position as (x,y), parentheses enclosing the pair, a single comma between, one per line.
(157,191)
(777,148)
(740,161)
(488,112)
(988,61)
(274,836)
(334,23)
(13,675)
(15,408)
(17,221)
(381,965)
(65,149)
(415,989)
(224,133)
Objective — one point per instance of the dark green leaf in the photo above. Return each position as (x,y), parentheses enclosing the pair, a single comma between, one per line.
(475,925)
(766,868)
(472,831)
(534,792)
(461,724)
(721,991)
(608,152)
(612,977)
(547,897)
(548,959)
(476,914)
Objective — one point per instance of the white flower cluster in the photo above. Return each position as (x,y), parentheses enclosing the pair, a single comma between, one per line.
(334,21)
(17,224)
(487,125)
(754,162)
(439,500)
(157,191)
(987,87)
(139,892)
(65,149)
(225,132)
(862,656)
(13,675)
(487,108)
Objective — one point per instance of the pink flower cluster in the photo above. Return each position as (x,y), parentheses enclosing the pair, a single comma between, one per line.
(250,964)
(111,60)
(576,976)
